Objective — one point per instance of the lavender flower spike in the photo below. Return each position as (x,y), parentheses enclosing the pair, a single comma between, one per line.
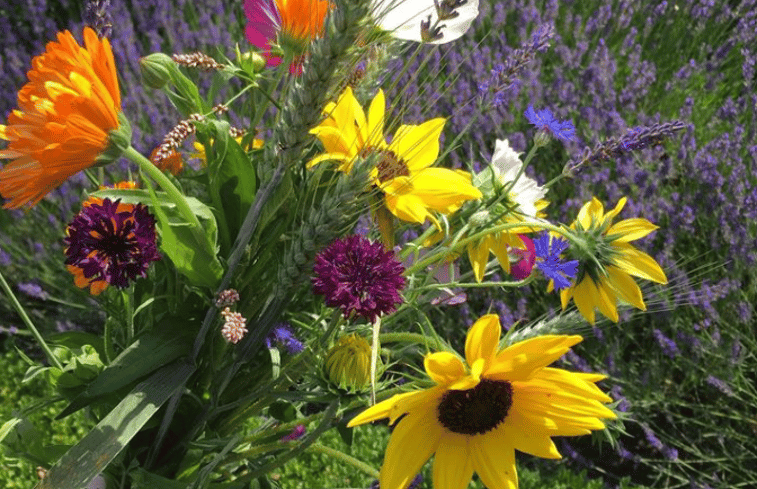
(636,138)
(97,15)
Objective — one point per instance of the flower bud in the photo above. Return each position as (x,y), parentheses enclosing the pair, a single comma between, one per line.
(156,69)
(348,363)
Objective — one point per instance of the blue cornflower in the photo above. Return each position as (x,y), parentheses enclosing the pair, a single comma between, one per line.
(548,250)
(282,335)
(545,121)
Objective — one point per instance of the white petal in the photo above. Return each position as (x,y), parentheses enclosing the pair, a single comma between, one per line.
(505,160)
(403,18)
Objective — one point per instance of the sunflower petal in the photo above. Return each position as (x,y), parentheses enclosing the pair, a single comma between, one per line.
(583,296)
(453,463)
(521,360)
(625,287)
(494,460)
(630,230)
(444,367)
(478,255)
(638,263)
(418,145)
(483,339)
(376,114)
(413,441)
(619,207)
(526,440)
(591,213)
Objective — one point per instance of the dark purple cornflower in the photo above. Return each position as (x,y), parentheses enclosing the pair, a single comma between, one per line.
(359,277)
(282,335)
(634,139)
(111,242)
(545,121)
(548,251)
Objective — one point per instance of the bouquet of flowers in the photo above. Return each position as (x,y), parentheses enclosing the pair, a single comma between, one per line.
(269,295)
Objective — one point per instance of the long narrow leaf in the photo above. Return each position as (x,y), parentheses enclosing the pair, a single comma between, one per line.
(100,446)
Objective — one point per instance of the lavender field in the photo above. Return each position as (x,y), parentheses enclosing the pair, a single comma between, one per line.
(683,373)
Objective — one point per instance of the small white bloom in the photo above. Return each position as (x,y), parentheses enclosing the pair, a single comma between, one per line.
(431,21)
(506,164)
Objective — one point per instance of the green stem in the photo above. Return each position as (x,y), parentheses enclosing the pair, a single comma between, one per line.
(375,346)
(28,322)
(128,315)
(404,338)
(344,458)
(170,189)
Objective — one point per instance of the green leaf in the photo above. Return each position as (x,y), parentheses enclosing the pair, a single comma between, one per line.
(100,446)
(283,411)
(169,340)
(233,180)
(186,98)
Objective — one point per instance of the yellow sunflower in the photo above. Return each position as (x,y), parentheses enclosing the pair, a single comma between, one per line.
(65,114)
(607,261)
(478,414)
(412,189)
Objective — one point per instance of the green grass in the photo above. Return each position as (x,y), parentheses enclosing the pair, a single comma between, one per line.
(16,396)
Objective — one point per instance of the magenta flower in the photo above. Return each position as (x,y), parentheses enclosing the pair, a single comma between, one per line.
(110,243)
(359,277)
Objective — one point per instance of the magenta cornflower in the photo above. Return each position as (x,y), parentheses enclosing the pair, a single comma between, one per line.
(109,243)
(297,432)
(359,277)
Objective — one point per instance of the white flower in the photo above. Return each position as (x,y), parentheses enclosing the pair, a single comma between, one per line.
(506,165)
(431,21)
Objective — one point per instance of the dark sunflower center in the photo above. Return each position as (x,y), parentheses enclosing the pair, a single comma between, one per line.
(388,165)
(478,410)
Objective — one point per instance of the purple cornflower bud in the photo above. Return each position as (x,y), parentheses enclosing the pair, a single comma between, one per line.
(546,122)
(548,251)
(282,335)
(359,277)
(633,139)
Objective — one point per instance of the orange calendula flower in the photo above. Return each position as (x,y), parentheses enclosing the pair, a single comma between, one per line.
(64,116)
